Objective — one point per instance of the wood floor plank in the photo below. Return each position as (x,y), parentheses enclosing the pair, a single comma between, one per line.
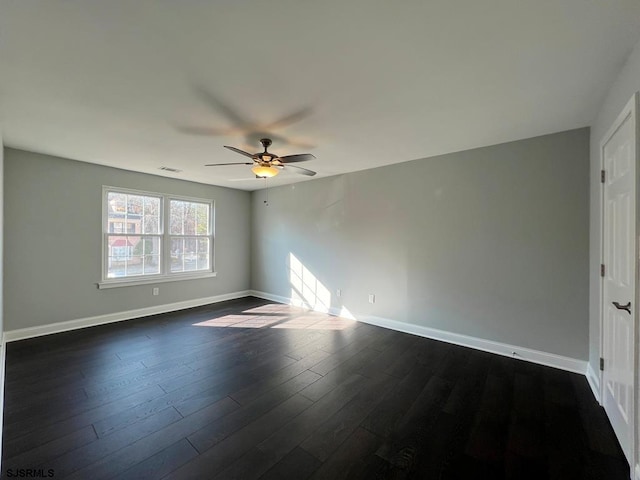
(596,425)
(44,428)
(402,448)
(222,454)
(349,457)
(92,452)
(250,393)
(297,464)
(44,433)
(287,436)
(215,432)
(148,376)
(382,420)
(44,453)
(526,438)
(162,463)
(336,376)
(488,440)
(417,417)
(113,464)
(338,427)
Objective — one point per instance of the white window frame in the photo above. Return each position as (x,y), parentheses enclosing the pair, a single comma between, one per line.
(165,274)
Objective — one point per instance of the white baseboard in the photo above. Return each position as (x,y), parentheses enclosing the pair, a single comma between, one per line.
(23,333)
(293,302)
(637,472)
(594,382)
(513,351)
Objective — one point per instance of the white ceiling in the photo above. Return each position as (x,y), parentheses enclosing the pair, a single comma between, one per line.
(367,82)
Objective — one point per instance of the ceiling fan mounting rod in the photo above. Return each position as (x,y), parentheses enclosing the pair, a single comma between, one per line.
(266,143)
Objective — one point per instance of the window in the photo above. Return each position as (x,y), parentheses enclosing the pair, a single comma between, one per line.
(139,249)
(189,238)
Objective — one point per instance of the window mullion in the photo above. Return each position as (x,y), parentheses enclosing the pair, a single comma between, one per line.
(166,248)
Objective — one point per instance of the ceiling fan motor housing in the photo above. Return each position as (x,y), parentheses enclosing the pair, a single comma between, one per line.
(266,143)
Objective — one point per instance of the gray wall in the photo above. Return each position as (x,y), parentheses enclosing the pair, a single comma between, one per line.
(627,83)
(53,241)
(1,240)
(491,242)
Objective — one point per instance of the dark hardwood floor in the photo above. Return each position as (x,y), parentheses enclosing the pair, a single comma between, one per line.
(249,389)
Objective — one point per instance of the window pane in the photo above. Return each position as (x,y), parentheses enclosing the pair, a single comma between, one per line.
(149,252)
(117,203)
(133,213)
(151,206)
(203,254)
(134,205)
(189,254)
(131,255)
(152,264)
(202,219)
(177,254)
(189,218)
(151,223)
(176,214)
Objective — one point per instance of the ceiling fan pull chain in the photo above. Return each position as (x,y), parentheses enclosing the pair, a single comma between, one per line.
(266,193)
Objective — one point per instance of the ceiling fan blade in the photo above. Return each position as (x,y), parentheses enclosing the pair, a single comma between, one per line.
(287,120)
(209,132)
(305,171)
(241,152)
(221,164)
(301,157)
(298,144)
(226,109)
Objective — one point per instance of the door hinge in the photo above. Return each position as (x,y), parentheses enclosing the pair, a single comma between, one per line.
(602,176)
(602,269)
(601,364)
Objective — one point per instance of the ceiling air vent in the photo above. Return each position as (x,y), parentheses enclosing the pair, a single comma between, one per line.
(169,169)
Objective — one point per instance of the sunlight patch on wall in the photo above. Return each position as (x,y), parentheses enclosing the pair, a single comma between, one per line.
(345,313)
(306,290)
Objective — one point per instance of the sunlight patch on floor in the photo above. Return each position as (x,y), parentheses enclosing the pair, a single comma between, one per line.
(317,322)
(281,316)
(242,321)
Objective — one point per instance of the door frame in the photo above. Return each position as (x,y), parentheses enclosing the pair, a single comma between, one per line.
(631,108)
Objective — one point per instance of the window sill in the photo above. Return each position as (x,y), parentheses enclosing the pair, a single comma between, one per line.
(130,282)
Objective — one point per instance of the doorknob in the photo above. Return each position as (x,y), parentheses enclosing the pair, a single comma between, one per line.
(626,307)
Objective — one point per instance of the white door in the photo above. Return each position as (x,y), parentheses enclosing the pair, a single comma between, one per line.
(619,309)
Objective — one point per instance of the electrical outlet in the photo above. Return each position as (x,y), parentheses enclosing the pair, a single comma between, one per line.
(372,298)
(338,293)
(155,291)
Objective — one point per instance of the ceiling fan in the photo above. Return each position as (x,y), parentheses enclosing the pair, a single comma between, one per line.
(266,164)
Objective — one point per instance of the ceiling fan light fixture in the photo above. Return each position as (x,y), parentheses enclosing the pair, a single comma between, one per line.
(265,171)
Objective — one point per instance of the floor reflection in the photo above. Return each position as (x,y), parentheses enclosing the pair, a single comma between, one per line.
(275,315)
